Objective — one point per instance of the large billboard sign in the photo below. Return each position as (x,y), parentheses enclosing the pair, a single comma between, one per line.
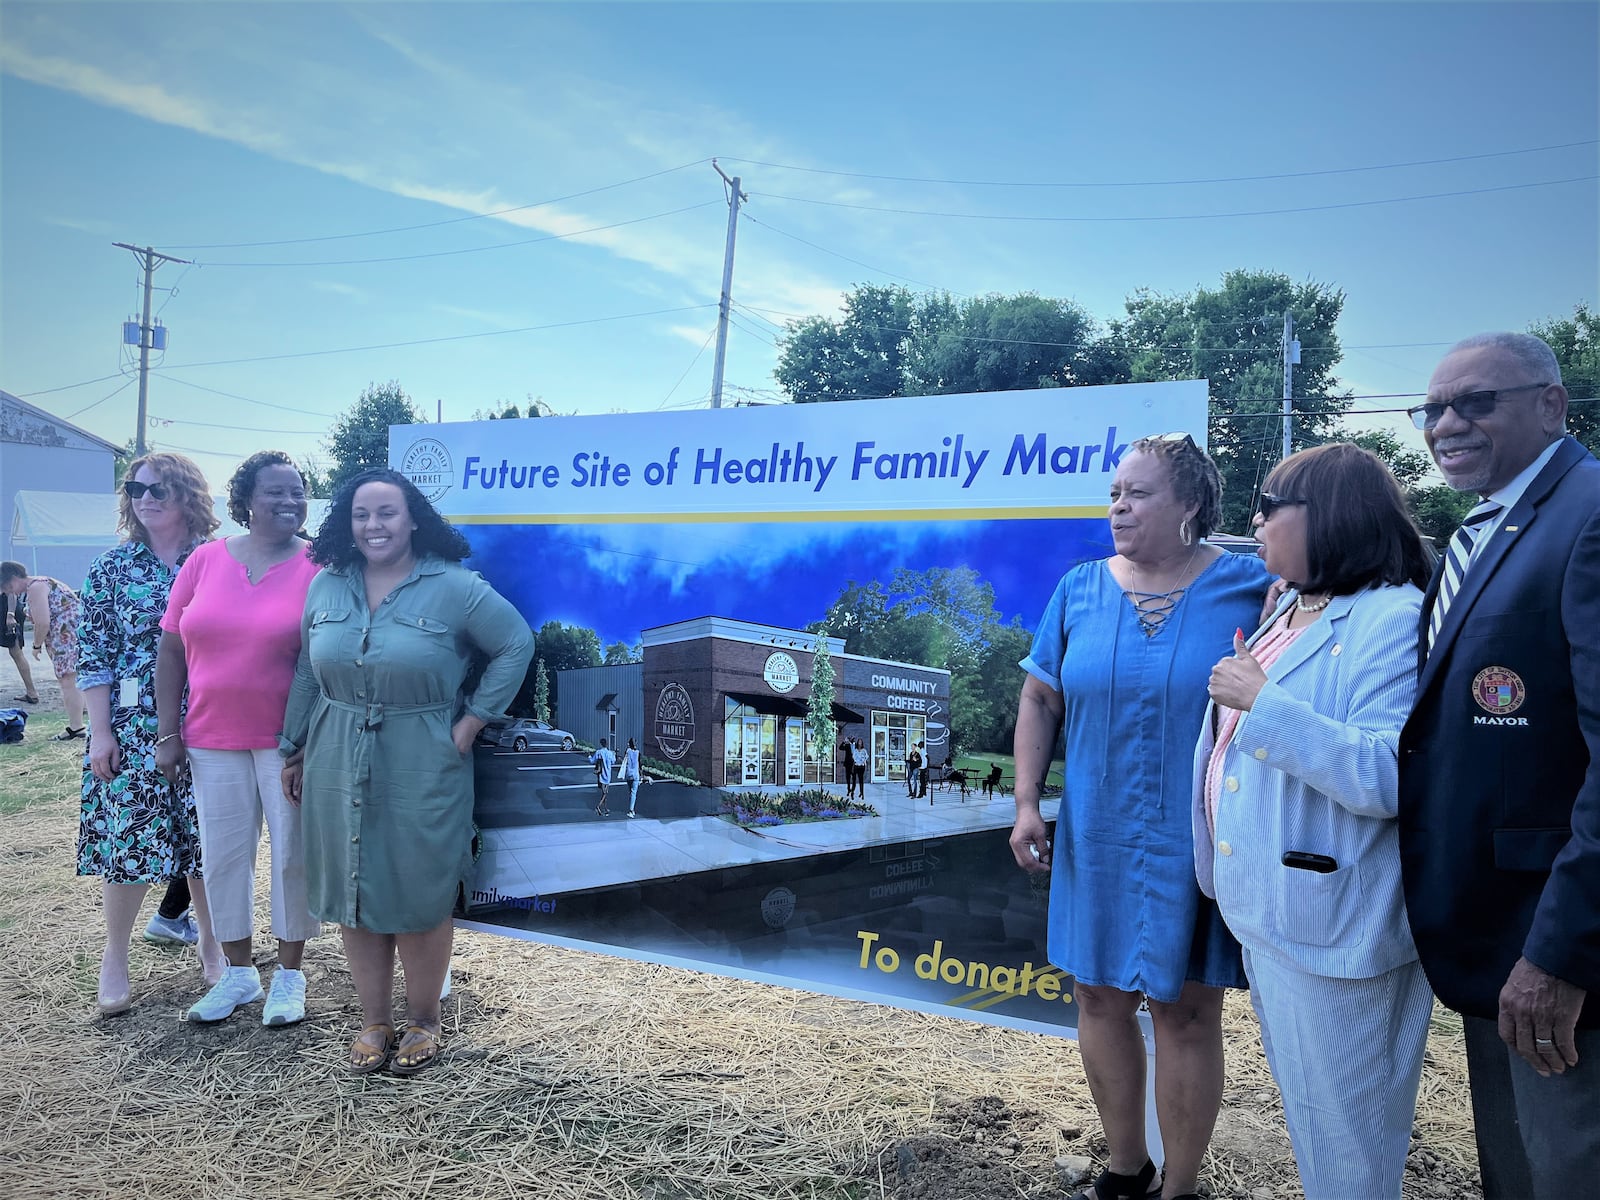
(806,619)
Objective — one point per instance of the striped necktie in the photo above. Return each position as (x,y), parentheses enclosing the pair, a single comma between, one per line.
(1457,557)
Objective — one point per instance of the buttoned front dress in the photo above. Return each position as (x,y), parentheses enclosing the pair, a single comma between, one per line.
(1125,910)
(387,797)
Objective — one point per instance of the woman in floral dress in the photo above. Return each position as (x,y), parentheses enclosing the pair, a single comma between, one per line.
(135,829)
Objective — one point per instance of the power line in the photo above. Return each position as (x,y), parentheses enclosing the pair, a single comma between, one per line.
(124,386)
(687,369)
(67,387)
(499,212)
(1420,162)
(1260,212)
(458,337)
(309,412)
(752,331)
(551,237)
(878,270)
(239,428)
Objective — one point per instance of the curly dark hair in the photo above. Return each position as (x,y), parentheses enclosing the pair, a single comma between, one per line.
(243,484)
(335,545)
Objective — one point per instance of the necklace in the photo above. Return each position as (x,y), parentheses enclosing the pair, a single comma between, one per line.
(1300,603)
(1153,608)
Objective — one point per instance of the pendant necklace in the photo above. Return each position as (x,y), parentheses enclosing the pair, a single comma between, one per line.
(1153,608)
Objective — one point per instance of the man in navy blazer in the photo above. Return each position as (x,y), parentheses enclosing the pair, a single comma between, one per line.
(1500,766)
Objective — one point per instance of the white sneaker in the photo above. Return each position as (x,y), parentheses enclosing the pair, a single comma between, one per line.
(286,1002)
(175,931)
(238,985)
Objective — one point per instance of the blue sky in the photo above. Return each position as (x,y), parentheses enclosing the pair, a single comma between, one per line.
(194,127)
(619,579)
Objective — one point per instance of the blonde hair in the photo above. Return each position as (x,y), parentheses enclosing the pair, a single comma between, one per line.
(190,490)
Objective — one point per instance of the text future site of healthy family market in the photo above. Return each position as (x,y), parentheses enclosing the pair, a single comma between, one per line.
(807,620)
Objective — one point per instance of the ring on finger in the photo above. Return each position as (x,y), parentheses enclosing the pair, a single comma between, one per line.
(1543,1043)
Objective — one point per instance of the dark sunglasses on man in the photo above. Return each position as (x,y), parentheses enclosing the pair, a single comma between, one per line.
(135,489)
(1474,406)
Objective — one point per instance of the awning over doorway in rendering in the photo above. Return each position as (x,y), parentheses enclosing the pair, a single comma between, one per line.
(784,706)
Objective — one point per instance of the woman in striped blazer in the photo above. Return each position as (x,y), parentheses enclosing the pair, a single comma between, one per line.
(1295,795)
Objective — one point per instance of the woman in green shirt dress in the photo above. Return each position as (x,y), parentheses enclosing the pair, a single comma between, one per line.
(378,738)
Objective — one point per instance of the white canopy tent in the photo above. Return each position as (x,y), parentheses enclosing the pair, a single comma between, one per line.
(89,519)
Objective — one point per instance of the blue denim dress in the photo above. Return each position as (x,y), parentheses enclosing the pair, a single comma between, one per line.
(1125,911)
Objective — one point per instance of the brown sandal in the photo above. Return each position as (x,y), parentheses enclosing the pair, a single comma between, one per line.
(368,1054)
(417,1040)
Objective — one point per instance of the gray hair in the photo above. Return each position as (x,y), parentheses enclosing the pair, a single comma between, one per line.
(1532,352)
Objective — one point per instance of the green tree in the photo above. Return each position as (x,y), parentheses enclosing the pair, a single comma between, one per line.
(1410,464)
(859,356)
(891,342)
(561,648)
(541,691)
(618,654)
(319,479)
(819,705)
(942,617)
(360,439)
(996,343)
(1576,341)
(1232,337)
(1437,507)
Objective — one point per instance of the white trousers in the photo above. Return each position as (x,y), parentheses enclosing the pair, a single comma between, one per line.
(233,791)
(1347,1055)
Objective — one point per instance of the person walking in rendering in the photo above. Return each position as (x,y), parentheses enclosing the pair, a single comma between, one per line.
(603,760)
(847,760)
(630,775)
(861,769)
(913,769)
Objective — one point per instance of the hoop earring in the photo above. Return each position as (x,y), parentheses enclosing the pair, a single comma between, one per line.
(1184,534)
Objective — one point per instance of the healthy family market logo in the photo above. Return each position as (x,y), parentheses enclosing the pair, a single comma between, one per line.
(674,721)
(426,463)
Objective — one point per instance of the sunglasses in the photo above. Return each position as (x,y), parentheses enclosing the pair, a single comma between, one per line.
(1181,439)
(136,490)
(1271,504)
(1473,406)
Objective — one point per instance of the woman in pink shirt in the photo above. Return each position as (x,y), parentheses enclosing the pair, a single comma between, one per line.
(232,637)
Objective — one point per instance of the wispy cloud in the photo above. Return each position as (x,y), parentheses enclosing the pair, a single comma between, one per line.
(493,320)
(684,252)
(94,228)
(334,288)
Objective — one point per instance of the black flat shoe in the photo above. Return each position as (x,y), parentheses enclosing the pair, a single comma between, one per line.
(1108,1185)
(24,699)
(68,734)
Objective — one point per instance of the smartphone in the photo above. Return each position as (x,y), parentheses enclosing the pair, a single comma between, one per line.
(1303,860)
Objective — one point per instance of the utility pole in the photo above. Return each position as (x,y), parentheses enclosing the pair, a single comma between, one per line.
(727,284)
(149,260)
(1291,355)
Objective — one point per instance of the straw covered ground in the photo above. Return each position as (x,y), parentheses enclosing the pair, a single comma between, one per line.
(566,1074)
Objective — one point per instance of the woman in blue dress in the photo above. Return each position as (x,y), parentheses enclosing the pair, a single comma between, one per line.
(1120,664)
